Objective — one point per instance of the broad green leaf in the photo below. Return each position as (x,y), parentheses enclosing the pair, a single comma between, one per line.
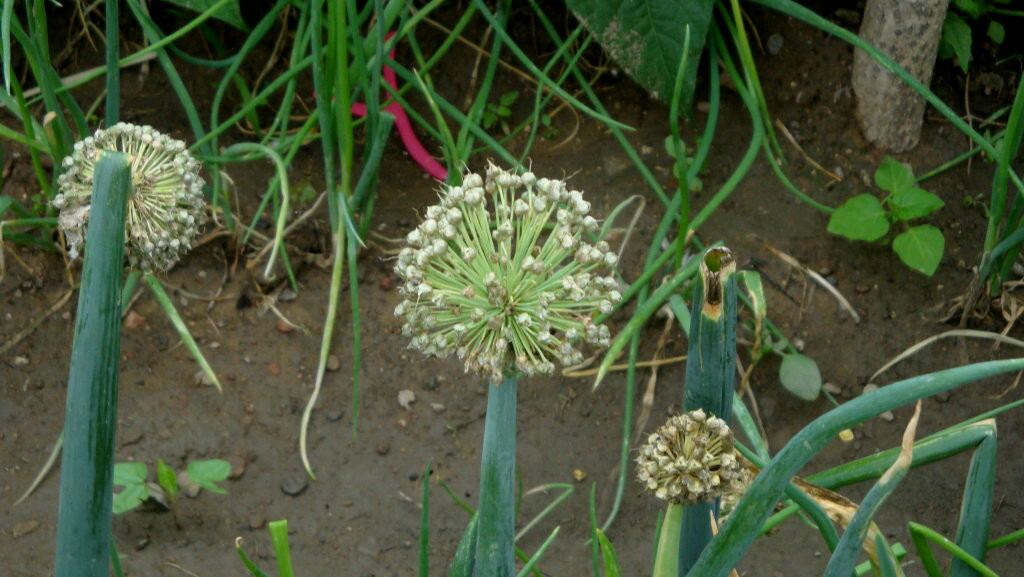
(131,497)
(913,202)
(129,474)
(956,40)
(207,473)
(996,32)
(800,375)
(920,248)
(861,218)
(509,98)
(229,14)
(167,478)
(894,176)
(973,8)
(645,38)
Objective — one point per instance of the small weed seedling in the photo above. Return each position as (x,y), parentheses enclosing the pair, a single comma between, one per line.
(132,476)
(500,113)
(864,217)
(682,165)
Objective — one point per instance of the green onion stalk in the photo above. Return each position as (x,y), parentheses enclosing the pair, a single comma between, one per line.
(690,462)
(499,274)
(127,191)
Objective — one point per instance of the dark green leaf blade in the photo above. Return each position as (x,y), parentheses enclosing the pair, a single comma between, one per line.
(920,248)
(229,14)
(956,35)
(645,38)
(861,218)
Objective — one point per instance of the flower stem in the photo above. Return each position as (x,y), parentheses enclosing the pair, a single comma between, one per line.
(495,547)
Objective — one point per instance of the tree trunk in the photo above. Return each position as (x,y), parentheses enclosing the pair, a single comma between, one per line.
(908,31)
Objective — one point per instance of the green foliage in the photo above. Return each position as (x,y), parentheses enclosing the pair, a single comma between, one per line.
(228,12)
(962,19)
(84,525)
(800,376)
(682,164)
(865,217)
(501,112)
(644,38)
(134,478)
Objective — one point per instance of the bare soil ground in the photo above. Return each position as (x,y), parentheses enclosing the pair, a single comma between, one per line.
(361,514)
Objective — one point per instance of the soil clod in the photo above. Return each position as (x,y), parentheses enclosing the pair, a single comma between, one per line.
(295,485)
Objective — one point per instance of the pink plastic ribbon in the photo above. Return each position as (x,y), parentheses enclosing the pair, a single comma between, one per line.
(409,140)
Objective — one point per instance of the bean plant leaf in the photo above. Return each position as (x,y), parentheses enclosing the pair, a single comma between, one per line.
(645,38)
(920,248)
(956,40)
(973,8)
(801,377)
(913,202)
(861,218)
(167,478)
(131,497)
(894,176)
(230,13)
(129,474)
(996,32)
(208,473)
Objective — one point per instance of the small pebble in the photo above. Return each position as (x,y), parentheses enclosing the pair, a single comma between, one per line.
(214,345)
(888,416)
(438,407)
(862,288)
(579,475)
(134,320)
(187,486)
(287,295)
(775,42)
(274,369)
(333,363)
(798,343)
(386,282)
(295,485)
(24,528)
(833,388)
(202,379)
(257,521)
(335,416)
(20,361)
(869,387)
(943,396)
(406,398)
(383,449)
(238,463)
(283,326)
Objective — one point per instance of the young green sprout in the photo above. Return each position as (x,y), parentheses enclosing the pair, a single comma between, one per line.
(164,213)
(691,459)
(510,284)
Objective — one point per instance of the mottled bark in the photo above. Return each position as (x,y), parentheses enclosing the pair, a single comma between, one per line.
(908,31)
